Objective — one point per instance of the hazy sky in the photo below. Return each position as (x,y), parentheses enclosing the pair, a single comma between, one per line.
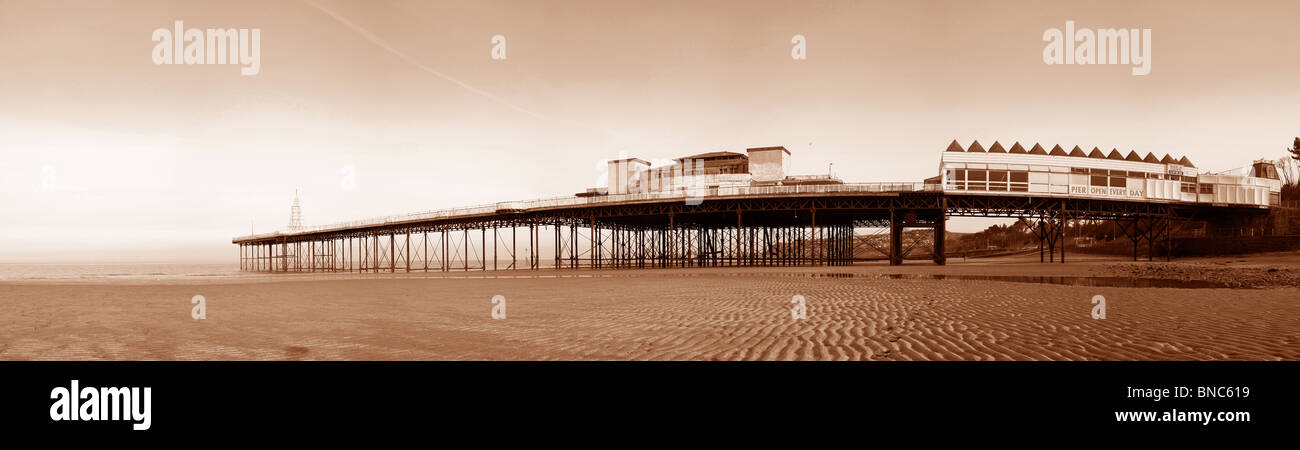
(103,152)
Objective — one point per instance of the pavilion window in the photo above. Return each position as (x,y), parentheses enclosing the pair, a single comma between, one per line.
(997,180)
(1019,181)
(977,180)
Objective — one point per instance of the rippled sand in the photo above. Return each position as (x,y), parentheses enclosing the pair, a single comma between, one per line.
(701,314)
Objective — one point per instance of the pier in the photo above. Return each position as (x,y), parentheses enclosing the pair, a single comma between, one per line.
(806,225)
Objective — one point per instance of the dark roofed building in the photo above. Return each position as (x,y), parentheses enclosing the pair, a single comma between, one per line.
(1058,151)
(1168,159)
(1186,162)
(1114,154)
(1037,150)
(711,156)
(997,148)
(1151,158)
(975,147)
(954,147)
(1076,151)
(1133,156)
(716,162)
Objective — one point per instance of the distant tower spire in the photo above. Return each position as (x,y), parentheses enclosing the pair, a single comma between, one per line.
(295,213)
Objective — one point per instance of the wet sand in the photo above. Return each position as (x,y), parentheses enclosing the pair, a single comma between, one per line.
(665,314)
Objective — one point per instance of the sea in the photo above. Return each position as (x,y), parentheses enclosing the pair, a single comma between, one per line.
(147,272)
(127,271)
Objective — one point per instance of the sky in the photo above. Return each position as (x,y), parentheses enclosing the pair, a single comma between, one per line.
(376,108)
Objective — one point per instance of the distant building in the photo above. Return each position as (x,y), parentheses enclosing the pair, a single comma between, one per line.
(760,166)
(1264,168)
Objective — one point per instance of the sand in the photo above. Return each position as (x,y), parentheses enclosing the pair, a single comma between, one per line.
(1254,271)
(688,314)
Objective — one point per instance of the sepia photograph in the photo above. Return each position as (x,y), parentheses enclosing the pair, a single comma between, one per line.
(936,192)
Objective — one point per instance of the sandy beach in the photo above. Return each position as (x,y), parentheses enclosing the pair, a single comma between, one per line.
(854,313)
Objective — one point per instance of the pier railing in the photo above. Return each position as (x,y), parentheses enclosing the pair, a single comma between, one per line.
(572,201)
